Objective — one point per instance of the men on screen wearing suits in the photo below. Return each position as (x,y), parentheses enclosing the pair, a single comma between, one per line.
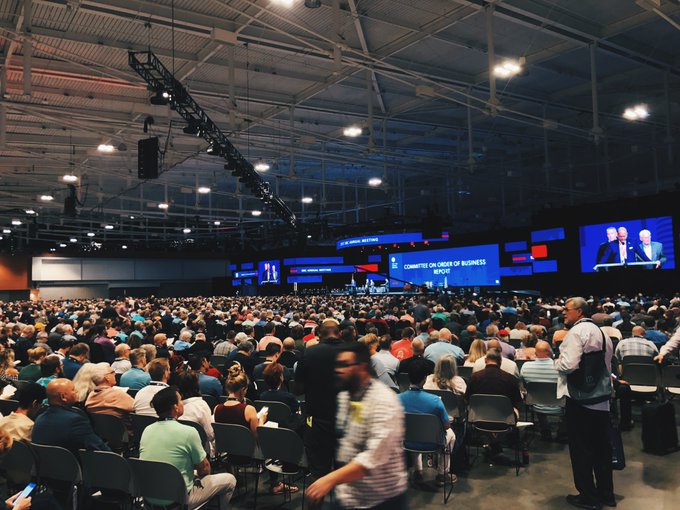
(623,251)
(653,250)
(602,249)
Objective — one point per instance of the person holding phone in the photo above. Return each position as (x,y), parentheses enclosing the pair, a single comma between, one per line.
(21,500)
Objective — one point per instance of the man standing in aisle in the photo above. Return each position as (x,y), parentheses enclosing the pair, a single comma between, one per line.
(587,416)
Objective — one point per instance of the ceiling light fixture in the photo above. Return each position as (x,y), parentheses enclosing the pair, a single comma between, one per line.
(160,98)
(507,69)
(256,213)
(46,197)
(204,190)
(90,234)
(186,230)
(352,131)
(637,112)
(109,227)
(70,178)
(262,166)
(29,211)
(217,223)
(73,240)
(62,245)
(132,217)
(283,3)
(16,223)
(163,205)
(124,247)
(6,231)
(105,147)
(375,181)
(307,200)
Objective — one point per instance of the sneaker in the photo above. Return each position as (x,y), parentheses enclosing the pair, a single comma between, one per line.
(440,479)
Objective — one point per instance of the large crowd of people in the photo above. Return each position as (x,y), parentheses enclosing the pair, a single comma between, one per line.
(338,363)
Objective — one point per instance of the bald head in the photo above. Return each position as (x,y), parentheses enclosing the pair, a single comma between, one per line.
(61,392)
(638,331)
(445,335)
(543,349)
(494,344)
(418,347)
(472,329)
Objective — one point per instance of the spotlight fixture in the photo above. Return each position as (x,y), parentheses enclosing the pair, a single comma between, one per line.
(312,4)
(375,181)
(16,223)
(204,190)
(122,147)
(192,128)
(124,247)
(160,98)
(637,112)
(73,240)
(507,69)
(29,211)
(163,205)
(105,147)
(62,245)
(256,212)
(262,166)
(307,200)
(6,231)
(352,131)
(217,223)
(213,150)
(70,178)
(46,197)
(90,234)
(132,217)
(309,236)
(109,227)
(283,3)
(186,230)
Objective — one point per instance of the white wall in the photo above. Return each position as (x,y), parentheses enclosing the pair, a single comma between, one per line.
(74,292)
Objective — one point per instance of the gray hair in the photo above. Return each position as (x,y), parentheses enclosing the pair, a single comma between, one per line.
(578,303)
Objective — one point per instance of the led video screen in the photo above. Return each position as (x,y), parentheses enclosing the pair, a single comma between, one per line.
(269,272)
(642,244)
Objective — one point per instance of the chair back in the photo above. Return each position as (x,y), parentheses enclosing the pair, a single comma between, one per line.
(403,381)
(18,464)
(670,376)
(8,406)
(140,422)
(491,409)
(201,431)
(465,373)
(424,428)
(281,444)
(451,401)
(218,361)
(515,342)
(641,374)
(648,360)
(106,470)
(132,393)
(234,440)
(211,400)
(158,480)
(111,429)
(56,463)
(543,393)
(278,411)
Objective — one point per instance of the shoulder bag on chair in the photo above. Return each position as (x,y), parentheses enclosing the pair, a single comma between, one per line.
(591,383)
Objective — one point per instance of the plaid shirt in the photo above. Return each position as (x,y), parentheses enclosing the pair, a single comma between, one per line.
(635,346)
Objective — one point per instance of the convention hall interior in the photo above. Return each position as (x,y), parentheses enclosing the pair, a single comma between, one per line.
(384,150)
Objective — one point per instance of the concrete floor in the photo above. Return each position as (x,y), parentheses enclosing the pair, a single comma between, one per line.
(649,482)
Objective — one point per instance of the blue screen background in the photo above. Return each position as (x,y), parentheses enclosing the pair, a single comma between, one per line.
(592,236)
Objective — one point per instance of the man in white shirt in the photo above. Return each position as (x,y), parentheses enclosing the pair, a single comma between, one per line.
(388,359)
(507,365)
(159,370)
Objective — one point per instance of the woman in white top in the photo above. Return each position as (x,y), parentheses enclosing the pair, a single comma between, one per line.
(446,376)
(195,408)
(477,350)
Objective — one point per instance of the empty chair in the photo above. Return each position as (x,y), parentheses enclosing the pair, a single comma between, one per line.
(642,377)
(278,411)
(284,453)
(111,429)
(543,393)
(110,472)
(425,434)
(670,379)
(465,373)
(201,431)
(17,465)
(159,481)
(8,406)
(451,401)
(57,467)
(403,382)
(218,361)
(238,443)
(211,400)
(494,414)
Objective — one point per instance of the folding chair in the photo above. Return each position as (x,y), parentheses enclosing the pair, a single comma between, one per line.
(285,454)
(238,443)
(645,360)
(107,472)
(465,373)
(642,377)
(201,433)
(159,481)
(8,406)
(18,465)
(542,393)
(451,401)
(111,429)
(670,379)
(495,416)
(427,430)
(278,411)
(218,361)
(57,466)
(403,382)
(211,400)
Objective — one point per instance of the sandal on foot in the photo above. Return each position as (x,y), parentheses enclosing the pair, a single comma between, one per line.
(282,488)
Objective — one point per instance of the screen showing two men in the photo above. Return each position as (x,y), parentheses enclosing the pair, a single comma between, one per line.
(269,272)
(643,244)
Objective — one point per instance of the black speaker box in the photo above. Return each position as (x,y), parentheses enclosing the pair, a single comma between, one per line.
(148,157)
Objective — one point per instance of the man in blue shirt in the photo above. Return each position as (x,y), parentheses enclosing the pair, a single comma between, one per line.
(207,384)
(417,401)
(79,354)
(137,377)
(444,346)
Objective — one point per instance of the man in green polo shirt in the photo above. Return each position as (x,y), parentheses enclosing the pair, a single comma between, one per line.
(180,445)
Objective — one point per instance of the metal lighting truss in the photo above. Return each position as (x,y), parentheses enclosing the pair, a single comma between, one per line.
(162,82)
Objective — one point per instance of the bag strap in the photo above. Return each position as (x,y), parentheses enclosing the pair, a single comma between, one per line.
(604,339)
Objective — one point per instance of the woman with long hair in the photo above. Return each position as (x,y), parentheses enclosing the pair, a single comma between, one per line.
(8,374)
(477,350)
(445,376)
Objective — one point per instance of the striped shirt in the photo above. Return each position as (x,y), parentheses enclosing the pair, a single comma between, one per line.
(635,346)
(372,431)
(541,370)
